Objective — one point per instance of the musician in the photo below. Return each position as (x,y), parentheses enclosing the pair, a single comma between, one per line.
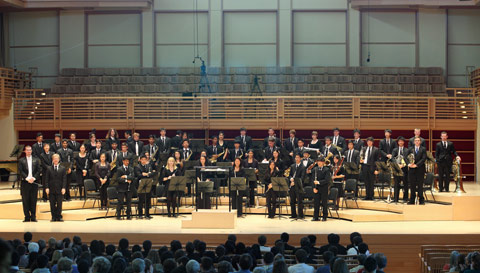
(57,144)
(443,155)
(338,140)
(170,171)
(144,171)
(184,137)
(369,165)
(270,194)
(177,156)
(236,151)
(125,177)
(152,149)
(417,133)
(416,172)
(237,196)
(102,175)
(73,144)
(57,186)
(203,200)
(164,143)
(300,147)
(338,176)
(66,159)
(186,152)
(401,152)
(315,143)
(358,143)
(45,160)
(81,168)
(111,137)
(29,169)
(306,160)
(136,147)
(278,162)
(214,150)
(328,148)
(251,163)
(291,143)
(268,151)
(387,145)
(112,156)
(352,156)
(176,140)
(96,152)
(245,141)
(295,179)
(223,143)
(128,137)
(92,143)
(37,148)
(271,134)
(124,153)
(321,176)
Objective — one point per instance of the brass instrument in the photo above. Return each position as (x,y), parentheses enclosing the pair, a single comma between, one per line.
(286,173)
(390,163)
(152,156)
(113,164)
(362,158)
(400,161)
(340,150)
(188,158)
(411,159)
(429,163)
(214,158)
(327,159)
(457,172)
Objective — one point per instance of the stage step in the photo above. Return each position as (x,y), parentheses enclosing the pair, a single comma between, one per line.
(211,219)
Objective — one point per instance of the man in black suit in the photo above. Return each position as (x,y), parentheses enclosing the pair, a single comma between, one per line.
(301,147)
(416,172)
(66,157)
(186,152)
(124,153)
(358,143)
(352,157)
(328,148)
(338,140)
(57,144)
(112,156)
(214,150)
(271,134)
(401,152)
(268,151)
(152,149)
(37,148)
(125,176)
(29,169)
(73,144)
(176,140)
(321,177)
(295,181)
(417,133)
(291,143)
(387,145)
(136,148)
(95,154)
(236,151)
(46,161)
(164,143)
(144,171)
(128,136)
(443,155)
(245,141)
(369,165)
(56,178)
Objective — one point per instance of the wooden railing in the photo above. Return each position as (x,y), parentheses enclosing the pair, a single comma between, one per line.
(10,80)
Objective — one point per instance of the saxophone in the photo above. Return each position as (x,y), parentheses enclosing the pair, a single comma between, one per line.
(152,156)
(113,164)
(362,158)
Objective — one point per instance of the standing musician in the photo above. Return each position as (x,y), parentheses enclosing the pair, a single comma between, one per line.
(214,152)
(443,155)
(401,152)
(251,163)
(237,196)
(128,136)
(56,187)
(66,159)
(184,137)
(124,153)
(224,144)
(338,140)
(245,141)
(291,143)
(387,145)
(306,160)
(176,141)
(82,165)
(57,144)
(37,148)
(270,194)
(152,149)
(358,143)
(203,200)
(315,143)
(102,175)
(369,164)
(46,160)
(295,180)
(73,144)
(144,171)
(112,157)
(417,133)
(338,175)
(321,176)
(268,151)
(186,151)
(236,151)
(136,147)
(170,171)
(352,158)
(300,147)
(92,143)
(111,137)
(177,156)
(271,134)
(94,156)
(125,177)
(164,143)
(416,171)
(328,148)
(278,162)
(29,169)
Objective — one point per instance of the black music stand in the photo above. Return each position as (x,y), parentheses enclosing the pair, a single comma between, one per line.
(17,153)
(224,165)
(177,185)
(203,187)
(279,185)
(188,165)
(191,176)
(145,187)
(236,184)
(251,176)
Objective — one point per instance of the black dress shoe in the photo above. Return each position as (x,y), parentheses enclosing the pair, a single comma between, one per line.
(315,220)
(140,217)
(293,217)
(34,220)
(60,220)
(411,203)
(422,203)
(148,217)
(129,217)
(301,217)
(26,220)
(53,220)
(324,219)
(118,218)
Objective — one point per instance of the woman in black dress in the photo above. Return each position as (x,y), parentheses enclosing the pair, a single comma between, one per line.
(224,144)
(338,178)
(102,174)
(91,144)
(81,169)
(168,172)
(315,143)
(271,195)
(237,196)
(278,162)
(251,163)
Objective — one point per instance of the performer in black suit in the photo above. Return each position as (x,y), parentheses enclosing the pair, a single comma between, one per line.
(45,160)
(245,141)
(291,143)
(37,148)
(152,149)
(352,157)
(144,171)
(271,134)
(214,150)
(270,194)
(164,143)
(237,196)
(186,151)
(416,172)
(416,133)
(237,151)
(338,140)
(112,156)
(401,152)
(295,181)
(358,143)
(321,177)
(73,144)
(94,155)
(29,169)
(136,148)
(443,155)
(57,144)
(387,145)
(56,178)
(125,177)
(176,141)
(170,171)
(268,151)
(111,137)
(328,148)
(300,147)
(128,136)
(66,158)
(369,165)
(124,153)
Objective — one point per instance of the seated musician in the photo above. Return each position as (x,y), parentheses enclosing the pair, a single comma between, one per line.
(338,176)
(268,151)
(251,163)
(270,194)
(271,135)
(215,152)
(203,200)
(186,152)
(315,143)
(236,152)
(237,196)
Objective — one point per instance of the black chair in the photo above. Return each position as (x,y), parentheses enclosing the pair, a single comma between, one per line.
(91,192)
(161,198)
(332,201)
(308,198)
(360,184)
(133,189)
(428,185)
(112,198)
(349,192)
(74,185)
(383,182)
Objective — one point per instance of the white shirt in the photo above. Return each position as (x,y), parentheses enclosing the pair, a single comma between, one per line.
(30,167)
(335,139)
(301,268)
(367,154)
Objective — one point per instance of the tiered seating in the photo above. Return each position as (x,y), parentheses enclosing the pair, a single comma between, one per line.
(239,81)
(434,257)
(11,80)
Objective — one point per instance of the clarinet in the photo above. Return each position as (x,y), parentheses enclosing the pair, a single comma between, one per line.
(128,187)
(294,174)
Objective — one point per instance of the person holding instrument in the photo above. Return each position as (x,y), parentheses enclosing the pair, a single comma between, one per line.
(169,171)
(237,196)
(82,164)
(321,176)
(29,169)
(443,155)
(144,171)
(251,163)
(125,176)
(295,182)
(338,175)
(203,200)
(270,194)
(278,162)
(102,174)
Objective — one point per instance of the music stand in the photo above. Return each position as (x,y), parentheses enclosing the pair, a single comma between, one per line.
(188,165)
(236,184)
(202,188)
(145,187)
(17,153)
(279,185)
(191,176)
(177,185)
(224,165)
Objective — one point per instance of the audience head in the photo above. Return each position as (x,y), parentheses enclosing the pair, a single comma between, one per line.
(138,265)
(245,261)
(123,244)
(259,270)
(280,266)
(327,256)
(207,263)
(33,247)
(301,256)
(333,239)
(262,240)
(42,261)
(224,267)
(340,266)
(370,265)
(353,235)
(193,266)
(305,242)
(119,265)
(27,237)
(362,248)
(285,237)
(453,258)
(101,265)
(175,245)
(268,258)
(313,239)
(476,261)
(232,237)
(382,260)
(83,266)
(64,265)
